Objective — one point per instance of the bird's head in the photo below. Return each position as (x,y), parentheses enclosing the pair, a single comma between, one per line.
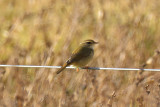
(88,43)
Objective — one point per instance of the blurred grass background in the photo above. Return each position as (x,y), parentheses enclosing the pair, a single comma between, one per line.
(45,32)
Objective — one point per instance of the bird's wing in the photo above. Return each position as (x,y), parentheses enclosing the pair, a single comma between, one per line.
(79,54)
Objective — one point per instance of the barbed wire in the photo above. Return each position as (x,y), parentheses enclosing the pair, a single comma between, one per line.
(92,68)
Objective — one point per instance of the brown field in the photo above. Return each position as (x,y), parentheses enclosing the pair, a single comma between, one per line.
(45,32)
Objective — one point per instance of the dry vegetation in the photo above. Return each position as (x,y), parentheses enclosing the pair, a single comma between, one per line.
(44,32)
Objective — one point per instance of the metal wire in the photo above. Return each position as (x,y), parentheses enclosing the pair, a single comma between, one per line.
(93,68)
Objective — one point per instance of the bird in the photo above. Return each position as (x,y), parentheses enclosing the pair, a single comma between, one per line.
(80,56)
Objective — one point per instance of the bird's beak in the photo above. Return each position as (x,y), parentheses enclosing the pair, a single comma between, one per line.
(95,42)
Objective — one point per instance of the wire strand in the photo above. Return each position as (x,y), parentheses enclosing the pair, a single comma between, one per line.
(93,68)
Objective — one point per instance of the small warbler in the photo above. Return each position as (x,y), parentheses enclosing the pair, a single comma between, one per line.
(81,56)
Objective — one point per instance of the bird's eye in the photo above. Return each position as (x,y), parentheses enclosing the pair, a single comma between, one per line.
(88,42)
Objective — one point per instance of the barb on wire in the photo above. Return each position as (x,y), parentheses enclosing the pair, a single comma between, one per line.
(93,68)
(150,60)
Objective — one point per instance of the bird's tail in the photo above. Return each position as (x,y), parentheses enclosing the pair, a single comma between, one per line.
(62,68)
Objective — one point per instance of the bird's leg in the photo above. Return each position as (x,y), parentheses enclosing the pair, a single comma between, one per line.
(77,69)
(86,67)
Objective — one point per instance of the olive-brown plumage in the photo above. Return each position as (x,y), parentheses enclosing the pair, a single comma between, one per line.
(81,56)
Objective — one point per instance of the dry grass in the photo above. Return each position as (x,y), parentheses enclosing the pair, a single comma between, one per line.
(44,32)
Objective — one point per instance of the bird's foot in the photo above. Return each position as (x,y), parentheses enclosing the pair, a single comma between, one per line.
(86,67)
